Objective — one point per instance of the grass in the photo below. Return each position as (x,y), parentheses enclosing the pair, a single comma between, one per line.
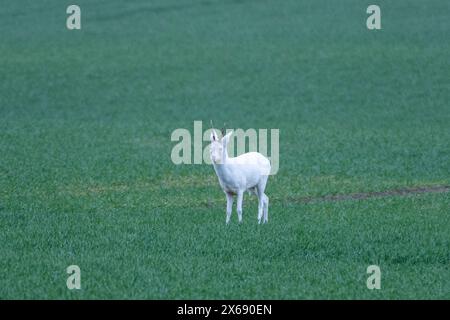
(85,170)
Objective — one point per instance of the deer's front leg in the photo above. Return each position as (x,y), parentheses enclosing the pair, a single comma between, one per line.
(229,206)
(240,197)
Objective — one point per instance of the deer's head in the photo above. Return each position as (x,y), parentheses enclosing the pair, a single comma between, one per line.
(218,149)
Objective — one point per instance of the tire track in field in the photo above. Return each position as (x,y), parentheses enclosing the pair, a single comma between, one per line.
(374,194)
(161,9)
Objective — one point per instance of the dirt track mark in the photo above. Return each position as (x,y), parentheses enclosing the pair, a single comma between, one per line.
(167,8)
(375,194)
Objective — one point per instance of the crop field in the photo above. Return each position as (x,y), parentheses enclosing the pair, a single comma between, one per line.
(87,179)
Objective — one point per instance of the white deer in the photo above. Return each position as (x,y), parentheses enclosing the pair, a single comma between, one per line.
(247,172)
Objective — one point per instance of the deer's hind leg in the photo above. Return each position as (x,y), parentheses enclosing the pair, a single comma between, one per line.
(240,197)
(263,203)
(266,208)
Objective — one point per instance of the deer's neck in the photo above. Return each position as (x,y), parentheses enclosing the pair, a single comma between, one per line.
(222,169)
(224,155)
(222,173)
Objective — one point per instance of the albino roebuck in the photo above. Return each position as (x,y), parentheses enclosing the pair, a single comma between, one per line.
(247,172)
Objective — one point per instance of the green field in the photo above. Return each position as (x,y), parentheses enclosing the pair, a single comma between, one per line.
(86,176)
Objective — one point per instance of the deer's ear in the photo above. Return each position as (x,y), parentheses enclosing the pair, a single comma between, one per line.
(213,135)
(227,137)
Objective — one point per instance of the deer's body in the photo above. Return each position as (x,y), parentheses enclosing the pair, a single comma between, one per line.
(247,172)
